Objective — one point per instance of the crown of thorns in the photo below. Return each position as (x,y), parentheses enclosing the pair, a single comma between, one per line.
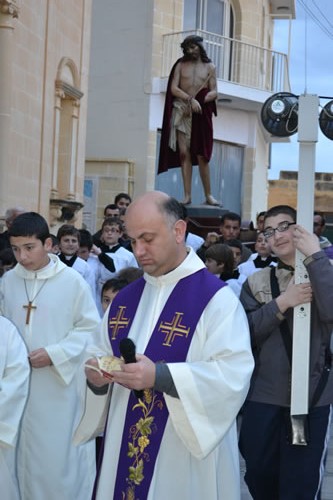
(191,39)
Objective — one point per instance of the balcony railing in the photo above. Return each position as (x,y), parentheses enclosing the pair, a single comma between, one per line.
(236,62)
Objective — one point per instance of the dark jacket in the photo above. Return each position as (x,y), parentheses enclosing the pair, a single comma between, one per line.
(270,381)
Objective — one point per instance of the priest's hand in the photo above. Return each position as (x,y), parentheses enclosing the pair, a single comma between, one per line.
(39,358)
(93,374)
(138,376)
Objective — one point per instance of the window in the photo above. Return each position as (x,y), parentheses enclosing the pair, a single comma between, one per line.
(215,16)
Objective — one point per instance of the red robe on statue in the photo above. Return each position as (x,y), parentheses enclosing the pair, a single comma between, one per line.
(201,132)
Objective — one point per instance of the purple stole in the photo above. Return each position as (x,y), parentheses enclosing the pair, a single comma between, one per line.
(146,418)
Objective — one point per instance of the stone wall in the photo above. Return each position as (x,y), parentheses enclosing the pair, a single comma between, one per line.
(284,191)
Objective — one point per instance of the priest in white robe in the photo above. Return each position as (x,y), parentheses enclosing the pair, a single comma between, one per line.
(14,382)
(54,311)
(196,454)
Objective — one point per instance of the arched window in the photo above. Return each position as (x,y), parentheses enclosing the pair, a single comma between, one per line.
(67,95)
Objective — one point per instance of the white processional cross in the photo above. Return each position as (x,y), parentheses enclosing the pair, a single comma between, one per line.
(307,138)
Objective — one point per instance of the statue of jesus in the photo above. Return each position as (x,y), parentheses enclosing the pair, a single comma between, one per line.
(187,132)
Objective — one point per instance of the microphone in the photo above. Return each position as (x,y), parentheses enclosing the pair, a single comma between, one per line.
(127,350)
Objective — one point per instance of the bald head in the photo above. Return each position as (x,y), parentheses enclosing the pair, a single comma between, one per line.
(152,198)
(155,225)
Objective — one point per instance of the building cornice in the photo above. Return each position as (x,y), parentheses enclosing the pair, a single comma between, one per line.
(65,89)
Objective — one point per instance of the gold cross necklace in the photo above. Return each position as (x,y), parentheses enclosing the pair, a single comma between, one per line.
(29,307)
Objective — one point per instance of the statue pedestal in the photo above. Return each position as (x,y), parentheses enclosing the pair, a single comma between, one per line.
(203,219)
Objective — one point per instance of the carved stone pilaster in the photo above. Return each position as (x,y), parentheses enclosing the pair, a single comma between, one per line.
(63,212)
(9,7)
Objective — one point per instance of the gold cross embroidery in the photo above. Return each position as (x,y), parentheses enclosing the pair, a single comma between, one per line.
(118,321)
(173,329)
(29,307)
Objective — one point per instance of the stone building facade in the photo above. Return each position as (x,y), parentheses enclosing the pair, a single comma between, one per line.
(134,45)
(44,61)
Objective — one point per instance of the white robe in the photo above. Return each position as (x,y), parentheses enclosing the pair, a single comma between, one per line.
(14,382)
(82,267)
(194,241)
(198,456)
(50,467)
(122,258)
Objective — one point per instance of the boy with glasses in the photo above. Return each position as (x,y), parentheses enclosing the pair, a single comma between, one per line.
(275,467)
(112,255)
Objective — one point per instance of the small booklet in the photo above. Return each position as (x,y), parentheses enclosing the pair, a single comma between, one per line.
(106,365)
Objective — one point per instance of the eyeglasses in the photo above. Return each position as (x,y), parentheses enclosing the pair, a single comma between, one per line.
(281,227)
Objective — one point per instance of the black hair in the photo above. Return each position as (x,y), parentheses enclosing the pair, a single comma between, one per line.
(261,214)
(114,284)
(54,239)
(281,209)
(222,254)
(68,230)
(172,208)
(122,195)
(113,221)
(30,224)
(323,220)
(7,257)
(86,239)
(111,206)
(130,274)
(234,243)
(230,216)
(196,40)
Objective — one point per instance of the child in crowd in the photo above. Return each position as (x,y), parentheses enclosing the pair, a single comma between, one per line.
(236,247)
(111,251)
(69,244)
(130,274)
(110,289)
(124,241)
(86,244)
(261,258)
(53,309)
(55,245)
(7,260)
(112,286)
(220,261)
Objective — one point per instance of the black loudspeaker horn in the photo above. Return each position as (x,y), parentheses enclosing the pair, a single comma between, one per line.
(279,114)
(326,120)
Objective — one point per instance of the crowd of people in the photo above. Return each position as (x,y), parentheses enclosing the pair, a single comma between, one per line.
(211,325)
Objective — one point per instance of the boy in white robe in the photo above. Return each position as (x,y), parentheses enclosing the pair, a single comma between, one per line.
(111,252)
(54,311)
(14,382)
(69,245)
(197,455)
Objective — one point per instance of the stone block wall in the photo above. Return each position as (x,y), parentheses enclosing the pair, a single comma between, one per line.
(284,191)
